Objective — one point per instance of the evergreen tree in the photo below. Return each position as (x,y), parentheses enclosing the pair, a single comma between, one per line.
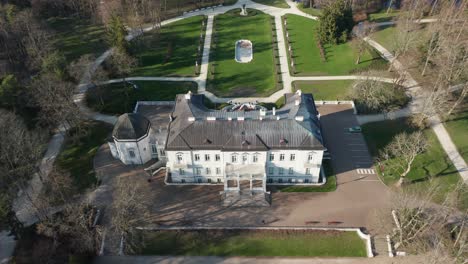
(116,33)
(336,22)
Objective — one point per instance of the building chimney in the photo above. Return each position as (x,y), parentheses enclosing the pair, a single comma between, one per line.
(262,112)
(240,118)
(274,110)
(211,118)
(299,118)
(229,118)
(299,92)
(297,102)
(191,119)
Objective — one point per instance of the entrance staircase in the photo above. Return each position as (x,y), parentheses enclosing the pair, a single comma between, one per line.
(246,199)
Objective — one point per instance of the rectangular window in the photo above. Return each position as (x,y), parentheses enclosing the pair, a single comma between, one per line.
(198,171)
(234,158)
(281,157)
(292,157)
(131,152)
(280,180)
(310,157)
(290,180)
(179,158)
(181,172)
(207,157)
(218,171)
(272,157)
(307,171)
(182,181)
(208,171)
(217,157)
(270,180)
(255,158)
(209,180)
(199,180)
(280,171)
(291,171)
(306,180)
(154,149)
(271,170)
(219,180)
(197,157)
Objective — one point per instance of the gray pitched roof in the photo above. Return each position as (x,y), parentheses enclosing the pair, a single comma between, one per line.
(131,127)
(294,126)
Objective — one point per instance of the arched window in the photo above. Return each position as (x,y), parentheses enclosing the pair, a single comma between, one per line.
(234,158)
(255,157)
(179,157)
(245,158)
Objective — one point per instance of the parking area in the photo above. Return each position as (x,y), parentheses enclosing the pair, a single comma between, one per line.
(350,157)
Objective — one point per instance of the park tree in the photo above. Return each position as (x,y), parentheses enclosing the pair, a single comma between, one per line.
(55,100)
(360,33)
(336,22)
(371,95)
(128,208)
(8,91)
(399,155)
(116,33)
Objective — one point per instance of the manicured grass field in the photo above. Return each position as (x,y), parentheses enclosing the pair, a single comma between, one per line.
(76,37)
(118,98)
(78,154)
(275,3)
(340,58)
(325,90)
(171,52)
(253,243)
(431,165)
(310,11)
(329,186)
(256,78)
(382,16)
(457,127)
(385,36)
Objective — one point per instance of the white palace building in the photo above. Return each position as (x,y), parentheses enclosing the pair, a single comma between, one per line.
(239,146)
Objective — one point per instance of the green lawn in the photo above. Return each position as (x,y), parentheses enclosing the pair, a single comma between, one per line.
(256,78)
(275,3)
(329,186)
(118,98)
(457,127)
(340,58)
(325,90)
(385,36)
(253,243)
(78,154)
(76,37)
(432,164)
(382,16)
(310,11)
(171,52)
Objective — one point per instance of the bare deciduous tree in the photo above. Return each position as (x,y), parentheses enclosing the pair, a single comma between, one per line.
(360,32)
(400,154)
(127,209)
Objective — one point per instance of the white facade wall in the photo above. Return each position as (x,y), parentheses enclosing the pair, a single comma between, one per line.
(141,149)
(189,169)
(293,166)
